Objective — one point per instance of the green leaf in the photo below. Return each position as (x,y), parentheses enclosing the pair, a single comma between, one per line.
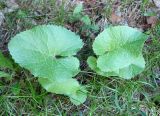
(37,50)
(16,88)
(5,62)
(79,96)
(119,51)
(5,75)
(86,20)
(69,87)
(47,51)
(78,9)
(92,62)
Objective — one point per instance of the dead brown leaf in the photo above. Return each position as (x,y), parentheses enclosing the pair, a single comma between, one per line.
(115,18)
(152,20)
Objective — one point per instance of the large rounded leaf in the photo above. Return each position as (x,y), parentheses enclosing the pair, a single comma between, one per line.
(119,50)
(47,51)
(37,50)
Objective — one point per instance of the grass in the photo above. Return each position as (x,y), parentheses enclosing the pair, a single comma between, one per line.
(106,96)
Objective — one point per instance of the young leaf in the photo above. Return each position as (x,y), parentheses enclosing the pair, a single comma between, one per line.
(47,51)
(119,51)
(78,9)
(86,20)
